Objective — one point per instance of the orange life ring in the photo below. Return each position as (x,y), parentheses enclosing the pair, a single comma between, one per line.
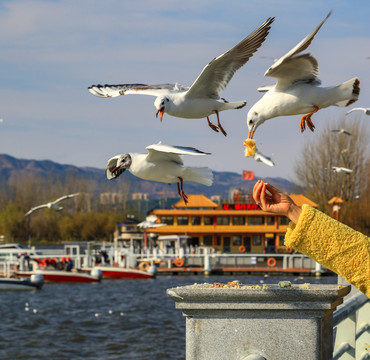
(289,250)
(144,266)
(271,262)
(179,262)
(242,248)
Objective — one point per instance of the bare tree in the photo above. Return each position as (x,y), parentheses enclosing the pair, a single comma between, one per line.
(314,169)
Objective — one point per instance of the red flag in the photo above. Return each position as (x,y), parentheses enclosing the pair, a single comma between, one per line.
(248,175)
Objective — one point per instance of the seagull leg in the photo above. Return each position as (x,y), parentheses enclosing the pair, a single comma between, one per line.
(180,189)
(213,127)
(307,119)
(219,124)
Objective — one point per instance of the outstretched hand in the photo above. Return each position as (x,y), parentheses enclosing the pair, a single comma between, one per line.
(277,202)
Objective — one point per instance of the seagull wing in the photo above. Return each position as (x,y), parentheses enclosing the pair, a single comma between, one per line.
(217,74)
(290,68)
(141,89)
(347,133)
(170,153)
(36,208)
(265,159)
(355,109)
(65,197)
(112,163)
(335,130)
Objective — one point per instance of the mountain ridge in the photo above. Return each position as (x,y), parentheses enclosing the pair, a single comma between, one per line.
(14,168)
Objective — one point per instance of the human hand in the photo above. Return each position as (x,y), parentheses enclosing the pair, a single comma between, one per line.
(277,202)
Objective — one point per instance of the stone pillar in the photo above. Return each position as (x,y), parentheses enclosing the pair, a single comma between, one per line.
(258,323)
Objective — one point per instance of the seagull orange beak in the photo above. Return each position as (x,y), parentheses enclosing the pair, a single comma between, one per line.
(160,112)
(251,133)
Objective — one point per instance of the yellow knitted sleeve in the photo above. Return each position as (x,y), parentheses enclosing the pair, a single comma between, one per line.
(333,245)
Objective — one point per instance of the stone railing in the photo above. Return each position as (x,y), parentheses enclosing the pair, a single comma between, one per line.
(351,323)
(255,322)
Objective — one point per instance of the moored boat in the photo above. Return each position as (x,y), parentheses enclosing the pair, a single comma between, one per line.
(35,281)
(116,272)
(64,276)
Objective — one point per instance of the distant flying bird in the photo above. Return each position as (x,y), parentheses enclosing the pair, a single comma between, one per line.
(150,222)
(53,204)
(296,90)
(342,131)
(262,158)
(162,163)
(338,169)
(1,120)
(365,110)
(202,98)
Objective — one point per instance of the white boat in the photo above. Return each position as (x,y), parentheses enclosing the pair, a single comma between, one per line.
(63,276)
(33,282)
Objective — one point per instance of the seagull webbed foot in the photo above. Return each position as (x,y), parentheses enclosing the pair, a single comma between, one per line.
(181,190)
(213,127)
(306,119)
(219,124)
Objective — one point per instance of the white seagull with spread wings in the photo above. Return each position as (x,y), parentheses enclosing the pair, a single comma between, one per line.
(162,163)
(365,110)
(342,131)
(344,170)
(263,158)
(296,90)
(53,204)
(201,99)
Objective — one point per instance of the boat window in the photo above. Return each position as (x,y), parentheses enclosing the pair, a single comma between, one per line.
(257,240)
(238,220)
(281,239)
(223,220)
(167,220)
(283,220)
(182,220)
(237,240)
(208,220)
(195,220)
(256,220)
(270,220)
(207,240)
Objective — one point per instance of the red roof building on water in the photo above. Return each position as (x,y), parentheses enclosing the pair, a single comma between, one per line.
(231,228)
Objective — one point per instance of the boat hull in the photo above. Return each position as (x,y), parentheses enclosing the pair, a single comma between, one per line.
(111,272)
(61,276)
(19,284)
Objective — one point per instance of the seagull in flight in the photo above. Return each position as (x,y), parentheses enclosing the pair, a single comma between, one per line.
(365,110)
(297,89)
(52,205)
(201,99)
(342,131)
(262,158)
(162,163)
(344,170)
(150,222)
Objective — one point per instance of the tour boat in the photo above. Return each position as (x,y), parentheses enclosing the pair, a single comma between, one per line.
(33,282)
(64,276)
(116,272)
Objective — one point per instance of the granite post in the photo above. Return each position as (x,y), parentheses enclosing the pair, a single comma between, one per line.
(258,322)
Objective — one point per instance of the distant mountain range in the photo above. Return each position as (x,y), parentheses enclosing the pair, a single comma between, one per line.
(12,168)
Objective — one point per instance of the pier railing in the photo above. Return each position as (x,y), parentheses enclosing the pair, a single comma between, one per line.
(351,323)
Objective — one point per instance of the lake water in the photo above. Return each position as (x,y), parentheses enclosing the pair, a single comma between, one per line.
(121,319)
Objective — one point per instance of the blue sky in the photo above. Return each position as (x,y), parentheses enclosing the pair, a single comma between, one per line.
(51,51)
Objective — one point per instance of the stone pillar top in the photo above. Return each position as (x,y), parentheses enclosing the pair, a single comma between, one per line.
(305,296)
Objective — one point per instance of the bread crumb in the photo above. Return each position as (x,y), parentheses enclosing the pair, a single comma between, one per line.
(250,147)
(304,286)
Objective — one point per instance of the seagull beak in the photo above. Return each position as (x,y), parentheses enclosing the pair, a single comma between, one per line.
(160,112)
(251,132)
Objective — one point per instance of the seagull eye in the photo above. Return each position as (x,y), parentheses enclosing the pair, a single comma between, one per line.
(250,122)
